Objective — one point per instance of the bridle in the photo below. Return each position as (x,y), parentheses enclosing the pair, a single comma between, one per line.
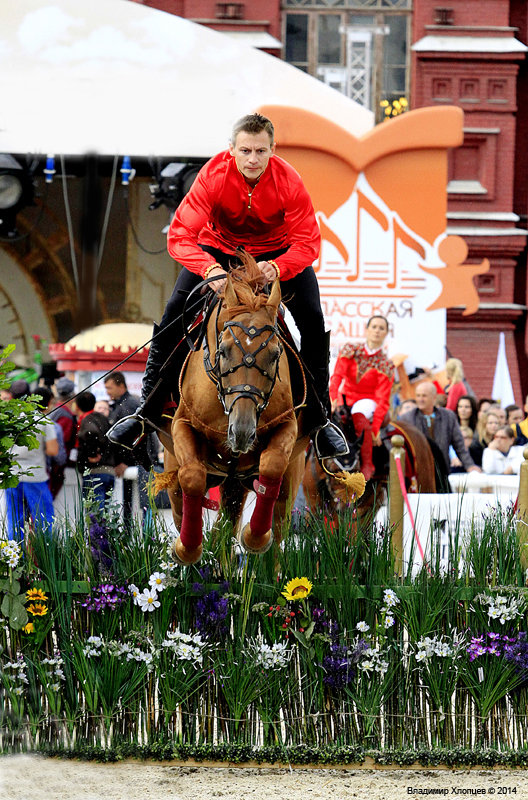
(249,359)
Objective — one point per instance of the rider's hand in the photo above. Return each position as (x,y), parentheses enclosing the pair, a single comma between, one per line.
(376,440)
(216,285)
(333,406)
(267,270)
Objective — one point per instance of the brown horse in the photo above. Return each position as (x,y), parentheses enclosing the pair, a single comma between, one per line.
(235,425)
(322,491)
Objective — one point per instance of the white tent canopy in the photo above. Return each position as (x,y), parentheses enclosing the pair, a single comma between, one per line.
(115,77)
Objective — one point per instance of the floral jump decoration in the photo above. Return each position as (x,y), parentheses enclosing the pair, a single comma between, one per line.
(106,643)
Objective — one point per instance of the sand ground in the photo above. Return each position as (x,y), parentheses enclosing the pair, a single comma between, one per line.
(36,778)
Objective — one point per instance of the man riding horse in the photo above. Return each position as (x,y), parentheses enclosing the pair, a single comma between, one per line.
(246,197)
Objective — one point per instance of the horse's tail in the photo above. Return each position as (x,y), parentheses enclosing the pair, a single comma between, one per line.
(164,480)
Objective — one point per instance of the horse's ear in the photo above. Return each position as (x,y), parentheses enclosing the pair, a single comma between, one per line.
(275,297)
(230,297)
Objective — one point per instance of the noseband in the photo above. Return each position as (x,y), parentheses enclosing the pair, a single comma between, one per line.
(249,359)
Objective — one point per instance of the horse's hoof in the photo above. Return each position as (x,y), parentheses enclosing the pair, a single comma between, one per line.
(255,544)
(183,555)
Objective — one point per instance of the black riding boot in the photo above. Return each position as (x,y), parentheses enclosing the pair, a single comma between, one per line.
(327,439)
(129,431)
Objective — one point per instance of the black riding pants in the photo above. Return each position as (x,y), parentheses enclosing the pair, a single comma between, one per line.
(301,296)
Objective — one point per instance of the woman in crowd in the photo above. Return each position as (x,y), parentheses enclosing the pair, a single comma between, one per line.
(455,387)
(467,412)
(502,456)
(455,464)
(486,430)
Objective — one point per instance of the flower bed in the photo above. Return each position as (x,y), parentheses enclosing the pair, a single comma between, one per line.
(106,646)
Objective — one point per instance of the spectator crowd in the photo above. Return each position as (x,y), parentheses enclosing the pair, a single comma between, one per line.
(465,433)
(71,435)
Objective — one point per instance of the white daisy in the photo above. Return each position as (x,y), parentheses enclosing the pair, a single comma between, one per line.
(148,600)
(157,581)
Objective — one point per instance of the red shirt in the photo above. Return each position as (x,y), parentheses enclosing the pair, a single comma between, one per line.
(454,393)
(219,212)
(360,375)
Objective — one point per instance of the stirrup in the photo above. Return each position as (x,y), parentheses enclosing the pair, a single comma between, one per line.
(329,442)
(139,437)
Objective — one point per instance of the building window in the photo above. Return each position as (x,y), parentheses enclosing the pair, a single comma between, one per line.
(329,39)
(355,4)
(297,39)
(444,16)
(230,11)
(364,55)
(395,50)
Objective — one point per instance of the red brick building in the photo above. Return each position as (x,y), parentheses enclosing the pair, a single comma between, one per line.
(473,54)
(470,53)
(257,24)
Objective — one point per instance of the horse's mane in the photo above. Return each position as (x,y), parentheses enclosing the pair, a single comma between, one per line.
(245,279)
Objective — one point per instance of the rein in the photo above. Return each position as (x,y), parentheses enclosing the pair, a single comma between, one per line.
(260,428)
(249,360)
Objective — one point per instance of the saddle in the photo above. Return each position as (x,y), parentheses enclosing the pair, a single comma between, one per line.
(410,454)
(298,377)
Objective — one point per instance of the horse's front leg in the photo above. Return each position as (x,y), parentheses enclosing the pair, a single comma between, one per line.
(257,535)
(192,478)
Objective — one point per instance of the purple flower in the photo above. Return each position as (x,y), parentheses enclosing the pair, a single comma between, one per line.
(489,644)
(340,665)
(517,652)
(211,612)
(99,544)
(105,596)
(321,623)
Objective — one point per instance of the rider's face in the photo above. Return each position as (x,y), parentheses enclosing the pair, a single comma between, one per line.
(376,332)
(251,152)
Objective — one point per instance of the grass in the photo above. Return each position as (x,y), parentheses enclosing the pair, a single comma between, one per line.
(362,667)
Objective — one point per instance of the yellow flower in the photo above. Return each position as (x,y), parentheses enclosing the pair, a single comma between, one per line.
(29,628)
(297,589)
(403,102)
(36,594)
(38,609)
(384,103)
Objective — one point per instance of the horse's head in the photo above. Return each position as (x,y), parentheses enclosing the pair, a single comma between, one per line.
(248,351)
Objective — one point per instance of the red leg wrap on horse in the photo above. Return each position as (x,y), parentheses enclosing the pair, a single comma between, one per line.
(361,423)
(267,491)
(191,526)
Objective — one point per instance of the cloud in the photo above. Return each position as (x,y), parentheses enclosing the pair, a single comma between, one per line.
(48,35)
(45,26)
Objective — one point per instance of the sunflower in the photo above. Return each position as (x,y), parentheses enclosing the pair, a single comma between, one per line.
(36,594)
(297,589)
(38,609)
(29,628)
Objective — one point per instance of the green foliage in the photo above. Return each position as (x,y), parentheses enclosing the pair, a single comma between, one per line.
(167,750)
(18,424)
(13,601)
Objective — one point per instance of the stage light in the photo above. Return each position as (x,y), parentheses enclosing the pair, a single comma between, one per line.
(16,191)
(174,182)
